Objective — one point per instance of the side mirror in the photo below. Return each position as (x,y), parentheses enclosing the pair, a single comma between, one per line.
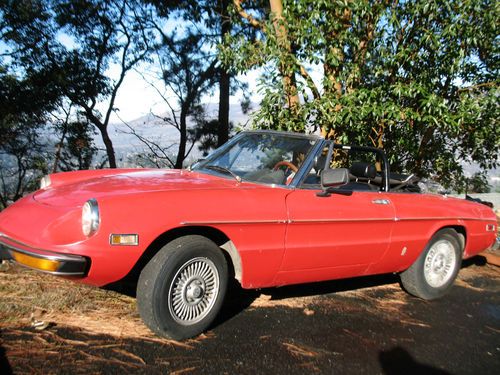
(334,177)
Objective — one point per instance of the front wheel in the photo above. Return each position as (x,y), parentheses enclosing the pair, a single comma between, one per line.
(181,290)
(433,273)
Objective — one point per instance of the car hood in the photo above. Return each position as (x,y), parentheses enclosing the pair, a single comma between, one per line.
(76,191)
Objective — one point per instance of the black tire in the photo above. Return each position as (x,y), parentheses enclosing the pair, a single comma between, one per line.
(435,270)
(181,289)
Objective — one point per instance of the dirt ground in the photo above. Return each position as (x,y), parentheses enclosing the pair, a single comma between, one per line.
(366,325)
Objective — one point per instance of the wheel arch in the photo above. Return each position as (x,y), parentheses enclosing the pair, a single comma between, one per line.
(422,279)
(461,234)
(227,247)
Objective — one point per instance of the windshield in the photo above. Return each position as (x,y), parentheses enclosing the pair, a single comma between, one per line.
(272,158)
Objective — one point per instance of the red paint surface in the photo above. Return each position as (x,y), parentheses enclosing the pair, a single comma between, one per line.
(282,235)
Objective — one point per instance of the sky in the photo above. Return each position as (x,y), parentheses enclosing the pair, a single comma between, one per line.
(137,97)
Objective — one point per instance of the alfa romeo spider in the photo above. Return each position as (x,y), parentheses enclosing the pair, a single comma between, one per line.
(266,209)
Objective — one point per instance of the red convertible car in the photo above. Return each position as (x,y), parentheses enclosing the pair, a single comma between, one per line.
(267,208)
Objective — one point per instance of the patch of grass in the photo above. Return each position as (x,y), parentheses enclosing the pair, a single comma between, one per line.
(25,292)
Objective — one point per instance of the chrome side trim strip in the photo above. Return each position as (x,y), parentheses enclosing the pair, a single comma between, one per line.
(384,219)
(439,218)
(310,221)
(230,222)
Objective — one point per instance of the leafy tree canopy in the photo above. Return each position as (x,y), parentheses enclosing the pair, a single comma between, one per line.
(418,78)
(74,43)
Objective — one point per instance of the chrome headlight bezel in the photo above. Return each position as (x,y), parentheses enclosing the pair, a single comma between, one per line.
(90,217)
(45,182)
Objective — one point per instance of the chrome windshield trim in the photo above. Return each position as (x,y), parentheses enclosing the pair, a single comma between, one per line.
(199,166)
(308,164)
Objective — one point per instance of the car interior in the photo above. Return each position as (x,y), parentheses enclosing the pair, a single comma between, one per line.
(365,172)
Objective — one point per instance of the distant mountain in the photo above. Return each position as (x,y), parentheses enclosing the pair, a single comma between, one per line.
(153,128)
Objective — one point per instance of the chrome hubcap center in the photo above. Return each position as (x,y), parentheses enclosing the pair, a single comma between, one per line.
(195,291)
(439,263)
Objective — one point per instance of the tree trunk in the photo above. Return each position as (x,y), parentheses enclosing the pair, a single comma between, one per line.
(224,81)
(289,83)
(183,138)
(109,147)
(103,128)
(59,147)
(224,92)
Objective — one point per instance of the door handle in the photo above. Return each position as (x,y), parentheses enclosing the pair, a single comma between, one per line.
(381,201)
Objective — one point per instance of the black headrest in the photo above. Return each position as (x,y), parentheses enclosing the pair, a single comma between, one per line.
(361,169)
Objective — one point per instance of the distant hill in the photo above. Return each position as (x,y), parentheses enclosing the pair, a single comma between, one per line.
(154,128)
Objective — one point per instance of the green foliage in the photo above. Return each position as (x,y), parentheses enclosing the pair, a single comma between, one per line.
(189,71)
(419,78)
(26,142)
(205,130)
(71,44)
(478,183)
(77,149)
(23,108)
(55,52)
(22,162)
(190,31)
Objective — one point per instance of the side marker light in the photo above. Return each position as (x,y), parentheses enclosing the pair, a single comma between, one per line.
(124,239)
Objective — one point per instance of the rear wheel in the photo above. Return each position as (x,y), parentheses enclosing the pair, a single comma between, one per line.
(433,273)
(181,290)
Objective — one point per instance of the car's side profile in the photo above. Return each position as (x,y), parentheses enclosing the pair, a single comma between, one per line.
(267,208)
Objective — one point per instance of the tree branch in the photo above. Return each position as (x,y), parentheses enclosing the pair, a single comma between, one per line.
(479,85)
(251,20)
(310,83)
(153,147)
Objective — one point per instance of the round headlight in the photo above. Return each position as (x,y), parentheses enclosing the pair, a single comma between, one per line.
(90,217)
(45,182)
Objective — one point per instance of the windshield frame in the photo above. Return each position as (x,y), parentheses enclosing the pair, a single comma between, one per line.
(308,160)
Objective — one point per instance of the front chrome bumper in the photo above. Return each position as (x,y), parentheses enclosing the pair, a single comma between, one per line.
(43,260)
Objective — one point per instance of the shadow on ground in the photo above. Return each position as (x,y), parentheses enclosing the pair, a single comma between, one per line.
(398,361)
(239,299)
(363,325)
(4,363)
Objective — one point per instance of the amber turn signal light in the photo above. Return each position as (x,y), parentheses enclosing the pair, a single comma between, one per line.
(124,239)
(37,263)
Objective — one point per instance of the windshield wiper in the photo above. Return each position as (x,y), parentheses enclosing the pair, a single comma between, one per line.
(223,170)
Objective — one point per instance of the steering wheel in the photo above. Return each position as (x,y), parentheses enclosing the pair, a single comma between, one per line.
(286,164)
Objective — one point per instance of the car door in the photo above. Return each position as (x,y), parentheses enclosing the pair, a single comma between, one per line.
(334,236)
